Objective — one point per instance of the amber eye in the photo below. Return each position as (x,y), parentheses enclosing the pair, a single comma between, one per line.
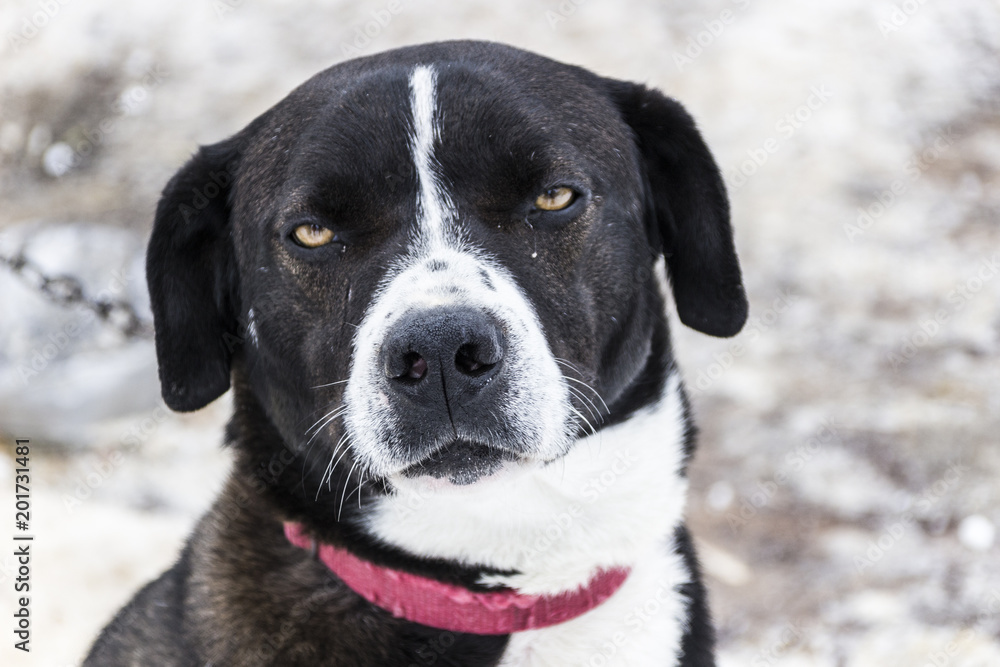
(555,199)
(312,236)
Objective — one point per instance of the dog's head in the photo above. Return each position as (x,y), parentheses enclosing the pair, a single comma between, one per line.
(440,262)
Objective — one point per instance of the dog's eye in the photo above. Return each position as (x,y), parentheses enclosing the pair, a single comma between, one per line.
(312,236)
(555,199)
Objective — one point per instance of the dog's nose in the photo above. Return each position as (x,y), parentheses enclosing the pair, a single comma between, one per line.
(447,354)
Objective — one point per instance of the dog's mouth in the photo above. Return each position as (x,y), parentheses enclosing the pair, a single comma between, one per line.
(461,462)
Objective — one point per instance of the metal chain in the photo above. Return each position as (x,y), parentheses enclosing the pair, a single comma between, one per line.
(68,291)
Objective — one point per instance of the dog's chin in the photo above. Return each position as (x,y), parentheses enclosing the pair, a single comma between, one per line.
(460,464)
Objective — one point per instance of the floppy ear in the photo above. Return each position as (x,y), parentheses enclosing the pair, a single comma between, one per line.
(687,198)
(191,273)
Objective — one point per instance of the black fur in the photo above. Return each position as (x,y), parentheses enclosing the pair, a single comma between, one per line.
(688,199)
(192,279)
(697,647)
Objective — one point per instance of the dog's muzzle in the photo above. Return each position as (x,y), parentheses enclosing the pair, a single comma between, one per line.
(444,369)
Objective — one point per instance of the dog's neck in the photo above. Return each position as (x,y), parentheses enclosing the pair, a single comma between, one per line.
(448,607)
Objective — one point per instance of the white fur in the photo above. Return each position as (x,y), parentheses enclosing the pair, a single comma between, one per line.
(252,328)
(432,200)
(642,624)
(613,500)
(538,403)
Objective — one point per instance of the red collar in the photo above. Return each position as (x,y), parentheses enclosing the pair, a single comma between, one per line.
(449,607)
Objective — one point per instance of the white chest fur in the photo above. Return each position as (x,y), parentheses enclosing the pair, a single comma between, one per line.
(612,501)
(641,625)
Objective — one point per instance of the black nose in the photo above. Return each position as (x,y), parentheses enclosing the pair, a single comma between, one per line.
(443,357)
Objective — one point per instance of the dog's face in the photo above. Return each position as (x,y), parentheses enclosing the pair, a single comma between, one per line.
(437,264)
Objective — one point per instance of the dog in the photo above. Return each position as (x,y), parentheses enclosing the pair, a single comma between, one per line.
(436,279)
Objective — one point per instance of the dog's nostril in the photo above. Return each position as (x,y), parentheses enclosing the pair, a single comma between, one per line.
(416,367)
(431,353)
(467,360)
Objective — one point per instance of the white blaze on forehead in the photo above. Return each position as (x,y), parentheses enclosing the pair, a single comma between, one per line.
(431,201)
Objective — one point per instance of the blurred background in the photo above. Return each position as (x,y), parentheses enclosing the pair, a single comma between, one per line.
(845,493)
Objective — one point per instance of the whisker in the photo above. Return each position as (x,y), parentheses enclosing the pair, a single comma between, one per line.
(584,402)
(359,488)
(606,409)
(346,484)
(593,431)
(566,362)
(332,465)
(325,420)
(329,478)
(587,403)
(576,370)
(305,459)
(312,412)
(329,419)
(329,384)
(328,471)
(313,437)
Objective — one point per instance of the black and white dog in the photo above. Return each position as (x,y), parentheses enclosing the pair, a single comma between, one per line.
(435,279)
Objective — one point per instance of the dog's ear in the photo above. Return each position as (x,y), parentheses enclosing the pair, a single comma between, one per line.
(191,273)
(687,198)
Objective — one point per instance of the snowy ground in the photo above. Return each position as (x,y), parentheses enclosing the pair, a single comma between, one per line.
(846,489)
